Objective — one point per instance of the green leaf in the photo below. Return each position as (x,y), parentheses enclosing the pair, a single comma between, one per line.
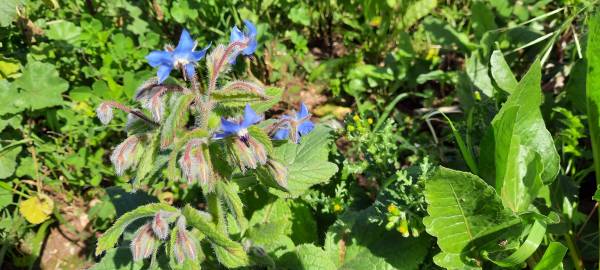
(306,257)
(300,14)
(501,72)
(8,161)
(118,259)
(6,195)
(39,87)
(228,191)
(478,73)
(416,10)
(275,96)
(354,242)
(518,151)
(593,89)
(482,18)
(111,236)
(146,163)
(64,31)
(8,11)
(9,67)
(461,207)
(9,94)
(307,162)
(176,119)
(230,253)
(262,137)
(553,257)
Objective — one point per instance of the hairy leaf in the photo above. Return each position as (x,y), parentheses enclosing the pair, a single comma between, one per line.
(111,236)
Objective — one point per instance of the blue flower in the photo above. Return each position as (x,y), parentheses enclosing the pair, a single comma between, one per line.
(249,36)
(239,128)
(182,57)
(295,125)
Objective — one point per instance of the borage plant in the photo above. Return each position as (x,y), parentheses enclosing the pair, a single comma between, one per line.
(177,134)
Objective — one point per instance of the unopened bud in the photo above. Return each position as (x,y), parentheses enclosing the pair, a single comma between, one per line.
(185,246)
(143,243)
(279,172)
(124,154)
(258,150)
(244,155)
(104,112)
(415,232)
(160,226)
(403,228)
(195,164)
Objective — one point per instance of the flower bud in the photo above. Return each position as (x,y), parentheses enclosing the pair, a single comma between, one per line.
(160,226)
(195,164)
(244,154)
(124,154)
(279,172)
(185,246)
(104,112)
(143,243)
(258,150)
(403,228)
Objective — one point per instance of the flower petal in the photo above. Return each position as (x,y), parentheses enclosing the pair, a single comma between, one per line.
(163,72)
(250,117)
(251,48)
(303,111)
(305,127)
(236,35)
(190,70)
(281,134)
(251,29)
(200,54)
(156,58)
(229,127)
(186,43)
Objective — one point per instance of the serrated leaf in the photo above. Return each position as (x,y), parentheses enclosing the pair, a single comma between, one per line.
(501,72)
(228,191)
(275,96)
(461,207)
(307,162)
(306,257)
(111,236)
(262,137)
(39,87)
(353,242)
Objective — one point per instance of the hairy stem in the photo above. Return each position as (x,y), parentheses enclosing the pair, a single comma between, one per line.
(136,113)
(238,45)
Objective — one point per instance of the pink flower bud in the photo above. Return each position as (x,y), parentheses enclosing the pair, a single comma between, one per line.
(245,157)
(258,150)
(104,112)
(279,172)
(185,246)
(143,243)
(195,164)
(160,226)
(124,154)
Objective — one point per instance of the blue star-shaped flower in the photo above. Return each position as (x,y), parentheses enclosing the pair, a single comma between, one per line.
(239,129)
(182,57)
(249,36)
(298,124)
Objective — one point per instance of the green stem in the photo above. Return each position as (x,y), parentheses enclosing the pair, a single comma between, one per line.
(215,208)
(574,252)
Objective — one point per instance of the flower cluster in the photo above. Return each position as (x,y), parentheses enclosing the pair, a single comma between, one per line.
(174,122)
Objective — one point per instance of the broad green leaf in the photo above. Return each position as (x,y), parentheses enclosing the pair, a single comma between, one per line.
(478,73)
(8,11)
(482,18)
(306,257)
(461,207)
(307,162)
(354,242)
(36,209)
(593,89)
(518,151)
(8,161)
(118,259)
(501,73)
(111,236)
(230,253)
(277,213)
(9,67)
(6,195)
(39,87)
(9,95)
(64,31)
(416,10)
(553,257)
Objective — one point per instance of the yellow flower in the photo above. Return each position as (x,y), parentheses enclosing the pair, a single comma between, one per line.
(393,209)
(356,118)
(337,208)
(351,128)
(370,121)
